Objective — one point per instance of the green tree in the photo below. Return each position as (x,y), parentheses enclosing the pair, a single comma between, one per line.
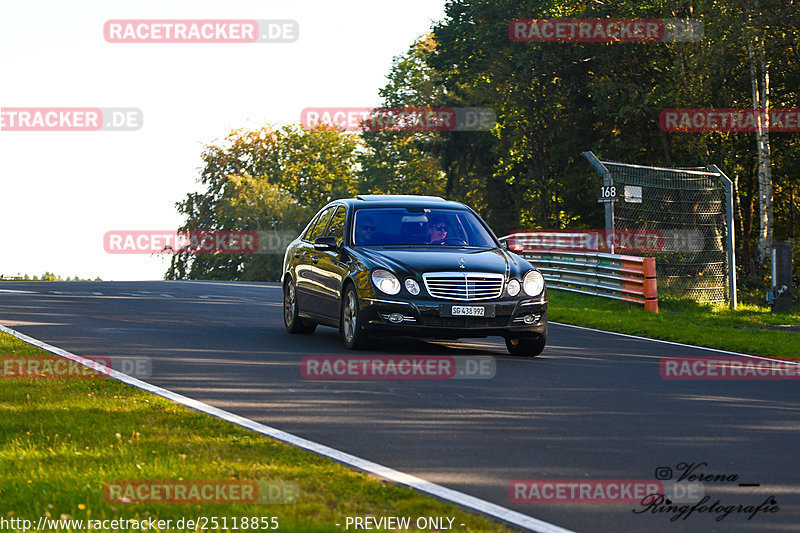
(265,180)
(403,162)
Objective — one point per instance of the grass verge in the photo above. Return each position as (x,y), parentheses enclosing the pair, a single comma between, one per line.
(750,329)
(62,440)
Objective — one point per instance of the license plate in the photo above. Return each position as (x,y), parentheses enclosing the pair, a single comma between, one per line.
(485,311)
(468,310)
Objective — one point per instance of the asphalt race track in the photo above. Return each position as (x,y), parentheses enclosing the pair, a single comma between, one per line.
(592,406)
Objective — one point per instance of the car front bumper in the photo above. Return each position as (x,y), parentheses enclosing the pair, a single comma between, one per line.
(423,318)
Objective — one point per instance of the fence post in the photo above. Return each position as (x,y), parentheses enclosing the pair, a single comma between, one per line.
(781,276)
(650,284)
(608,182)
(731,235)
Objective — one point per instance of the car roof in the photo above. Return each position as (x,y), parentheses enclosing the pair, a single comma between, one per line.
(399,200)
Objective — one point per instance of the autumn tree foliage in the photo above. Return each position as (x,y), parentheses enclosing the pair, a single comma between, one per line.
(265,180)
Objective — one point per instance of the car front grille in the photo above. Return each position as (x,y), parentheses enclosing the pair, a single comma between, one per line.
(465,286)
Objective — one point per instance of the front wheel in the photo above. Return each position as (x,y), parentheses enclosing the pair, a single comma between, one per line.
(353,336)
(527,346)
(291,312)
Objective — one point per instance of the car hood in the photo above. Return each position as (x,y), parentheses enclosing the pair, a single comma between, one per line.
(418,260)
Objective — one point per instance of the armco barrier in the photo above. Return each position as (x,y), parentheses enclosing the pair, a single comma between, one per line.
(622,277)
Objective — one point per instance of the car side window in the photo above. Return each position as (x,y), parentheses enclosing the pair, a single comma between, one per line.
(309,228)
(336,228)
(319,227)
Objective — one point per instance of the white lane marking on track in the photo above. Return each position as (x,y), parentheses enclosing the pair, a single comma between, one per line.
(13,291)
(146,294)
(77,293)
(460,498)
(673,343)
(241,298)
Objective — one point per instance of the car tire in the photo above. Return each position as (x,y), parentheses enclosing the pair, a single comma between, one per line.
(526,346)
(291,312)
(353,336)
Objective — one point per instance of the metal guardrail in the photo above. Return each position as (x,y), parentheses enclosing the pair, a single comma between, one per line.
(621,277)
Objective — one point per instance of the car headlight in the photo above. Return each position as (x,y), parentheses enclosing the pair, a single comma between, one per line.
(412,286)
(386,281)
(513,287)
(533,283)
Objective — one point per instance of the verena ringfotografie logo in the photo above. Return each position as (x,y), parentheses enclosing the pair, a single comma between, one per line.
(55,367)
(201,31)
(729,120)
(583,490)
(689,487)
(70,119)
(596,30)
(726,368)
(408,119)
(201,492)
(397,367)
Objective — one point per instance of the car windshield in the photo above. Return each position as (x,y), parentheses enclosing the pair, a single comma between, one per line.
(422,227)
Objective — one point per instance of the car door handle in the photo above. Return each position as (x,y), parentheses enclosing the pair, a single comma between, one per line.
(315,259)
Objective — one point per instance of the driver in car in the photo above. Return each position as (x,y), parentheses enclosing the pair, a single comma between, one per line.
(437,230)
(365,230)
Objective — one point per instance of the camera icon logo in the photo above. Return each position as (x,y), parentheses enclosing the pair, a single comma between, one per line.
(663,473)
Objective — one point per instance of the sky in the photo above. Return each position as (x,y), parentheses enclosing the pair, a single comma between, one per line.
(61,191)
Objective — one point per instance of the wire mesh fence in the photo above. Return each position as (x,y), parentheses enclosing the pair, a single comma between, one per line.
(688,207)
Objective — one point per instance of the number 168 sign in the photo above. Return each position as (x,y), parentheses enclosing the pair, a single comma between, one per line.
(608,193)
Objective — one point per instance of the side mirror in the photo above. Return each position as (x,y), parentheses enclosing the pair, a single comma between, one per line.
(326,243)
(513,246)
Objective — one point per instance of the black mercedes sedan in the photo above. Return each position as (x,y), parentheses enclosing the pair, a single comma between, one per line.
(375,266)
